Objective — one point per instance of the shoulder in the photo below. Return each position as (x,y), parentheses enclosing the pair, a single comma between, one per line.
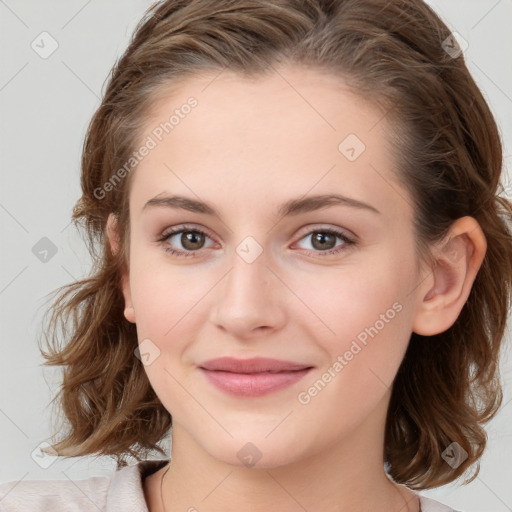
(54,495)
(122,491)
(430,505)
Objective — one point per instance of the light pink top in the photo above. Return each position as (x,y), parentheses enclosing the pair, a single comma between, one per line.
(123,492)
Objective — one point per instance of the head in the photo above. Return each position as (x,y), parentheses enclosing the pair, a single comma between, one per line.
(246,109)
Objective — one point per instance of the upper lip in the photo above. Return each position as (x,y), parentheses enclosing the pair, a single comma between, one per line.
(253,365)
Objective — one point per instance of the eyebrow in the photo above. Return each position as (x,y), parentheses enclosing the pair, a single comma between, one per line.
(290,208)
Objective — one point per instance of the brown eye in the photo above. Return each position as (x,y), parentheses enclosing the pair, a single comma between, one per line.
(192,240)
(323,240)
(183,241)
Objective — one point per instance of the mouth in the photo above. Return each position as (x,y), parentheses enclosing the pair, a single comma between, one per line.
(252,377)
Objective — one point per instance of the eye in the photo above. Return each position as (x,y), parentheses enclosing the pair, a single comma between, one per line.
(324,241)
(191,240)
(188,239)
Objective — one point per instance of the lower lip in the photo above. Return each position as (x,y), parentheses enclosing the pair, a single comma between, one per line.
(253,384)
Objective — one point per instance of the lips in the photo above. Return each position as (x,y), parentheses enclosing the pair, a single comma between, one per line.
(252,377)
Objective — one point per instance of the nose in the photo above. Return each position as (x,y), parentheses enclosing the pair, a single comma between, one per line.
(250,300)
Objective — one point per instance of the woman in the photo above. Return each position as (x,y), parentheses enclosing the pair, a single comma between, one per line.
(304,265)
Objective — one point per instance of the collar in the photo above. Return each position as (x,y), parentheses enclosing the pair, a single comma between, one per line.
(126,492)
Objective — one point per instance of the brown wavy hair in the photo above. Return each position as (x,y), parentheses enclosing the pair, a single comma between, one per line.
(448,155)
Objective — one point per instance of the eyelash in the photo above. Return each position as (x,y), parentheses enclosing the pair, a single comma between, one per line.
(347,242)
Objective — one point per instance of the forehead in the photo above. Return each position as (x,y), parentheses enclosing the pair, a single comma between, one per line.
(275,136)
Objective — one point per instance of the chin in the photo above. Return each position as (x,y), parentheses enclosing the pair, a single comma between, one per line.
(258,453)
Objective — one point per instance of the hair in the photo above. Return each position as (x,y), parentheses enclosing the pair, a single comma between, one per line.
(449,157)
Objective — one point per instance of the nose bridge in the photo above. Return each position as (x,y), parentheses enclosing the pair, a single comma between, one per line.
(250,296)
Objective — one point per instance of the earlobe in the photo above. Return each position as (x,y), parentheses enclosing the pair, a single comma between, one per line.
(114,242)
(129,314)
(445,291)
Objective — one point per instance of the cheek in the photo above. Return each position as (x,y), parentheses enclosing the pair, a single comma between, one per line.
(171,308)
(345,301)
(164,295)
(168,313)
(362,319)
(371,324)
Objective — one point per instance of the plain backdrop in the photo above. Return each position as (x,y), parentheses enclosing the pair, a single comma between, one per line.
(47,102)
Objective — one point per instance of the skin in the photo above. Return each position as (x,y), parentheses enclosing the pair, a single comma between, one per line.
(248,147)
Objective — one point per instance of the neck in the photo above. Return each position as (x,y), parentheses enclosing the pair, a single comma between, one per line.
(346,477)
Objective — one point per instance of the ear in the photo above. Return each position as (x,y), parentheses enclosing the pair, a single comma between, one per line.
(114,241)
(443,293)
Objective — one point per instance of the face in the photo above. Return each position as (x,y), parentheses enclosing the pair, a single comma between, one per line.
(288,238)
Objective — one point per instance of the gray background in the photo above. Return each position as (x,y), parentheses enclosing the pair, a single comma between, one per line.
(46,105)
